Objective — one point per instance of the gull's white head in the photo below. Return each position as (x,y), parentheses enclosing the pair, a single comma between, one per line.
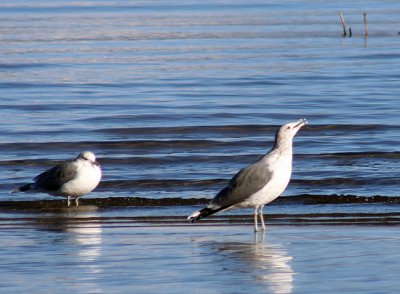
(286,132)
(87,155)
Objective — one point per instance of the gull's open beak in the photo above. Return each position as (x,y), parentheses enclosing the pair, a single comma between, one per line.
(300,123)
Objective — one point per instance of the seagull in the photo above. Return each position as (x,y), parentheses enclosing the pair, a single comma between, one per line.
(259,183)
(69,179)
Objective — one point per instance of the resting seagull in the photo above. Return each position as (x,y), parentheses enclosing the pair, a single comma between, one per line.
(259,183)
(69,179)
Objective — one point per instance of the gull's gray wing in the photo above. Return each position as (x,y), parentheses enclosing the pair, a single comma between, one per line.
(246,182)
(54,178)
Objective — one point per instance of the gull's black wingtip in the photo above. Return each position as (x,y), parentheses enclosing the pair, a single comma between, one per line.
(204,213)
(23,188)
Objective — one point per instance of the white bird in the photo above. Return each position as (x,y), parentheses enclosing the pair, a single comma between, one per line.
(259,183)
(69,179)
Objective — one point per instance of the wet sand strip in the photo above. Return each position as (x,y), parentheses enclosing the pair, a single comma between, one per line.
(130,201)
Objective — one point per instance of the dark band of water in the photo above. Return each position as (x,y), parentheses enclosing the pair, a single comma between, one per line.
(54,213)
(305,199)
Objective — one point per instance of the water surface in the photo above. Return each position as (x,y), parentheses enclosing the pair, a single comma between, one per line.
(174,98)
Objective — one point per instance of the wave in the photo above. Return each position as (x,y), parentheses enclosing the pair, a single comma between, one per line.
(158,183)
(310,199)
(237,129)
(177,145)
(137,144)
(223,130)
(350,181)
(218,183)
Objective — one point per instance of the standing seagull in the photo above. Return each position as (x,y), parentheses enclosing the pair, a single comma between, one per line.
(70,179)
(259,183)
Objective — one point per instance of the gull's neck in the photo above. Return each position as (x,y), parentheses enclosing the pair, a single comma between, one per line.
(283,145)
(282,151)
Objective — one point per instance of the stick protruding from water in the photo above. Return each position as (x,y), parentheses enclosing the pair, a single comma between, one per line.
(343,24)
(365,24)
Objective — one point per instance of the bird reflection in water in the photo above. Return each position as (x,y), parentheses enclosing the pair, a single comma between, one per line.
(86,234)
(79,237)
(272,263)
(266,263)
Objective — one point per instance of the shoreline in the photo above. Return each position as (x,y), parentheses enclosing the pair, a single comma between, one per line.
(133,201)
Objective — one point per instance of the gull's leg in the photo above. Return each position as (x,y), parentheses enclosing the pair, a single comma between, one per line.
(255,220)
(262,236)
(76,201)
(260,212)
(68,201)
(255,240)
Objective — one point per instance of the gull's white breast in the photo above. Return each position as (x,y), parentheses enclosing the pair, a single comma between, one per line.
(87,178)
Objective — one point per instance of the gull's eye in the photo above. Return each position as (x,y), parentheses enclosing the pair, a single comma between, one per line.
(288,128)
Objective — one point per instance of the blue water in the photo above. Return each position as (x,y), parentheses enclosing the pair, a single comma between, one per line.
(83,75)
(174,98)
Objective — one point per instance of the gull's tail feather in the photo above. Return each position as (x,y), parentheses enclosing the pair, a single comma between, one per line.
(23,188)
(204,213)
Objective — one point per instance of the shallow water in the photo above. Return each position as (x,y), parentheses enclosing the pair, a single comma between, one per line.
(174,98)
(96,257)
